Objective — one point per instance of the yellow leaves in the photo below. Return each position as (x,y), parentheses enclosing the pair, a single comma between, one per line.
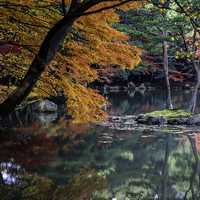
(93,41)
(119,54)
(84,104)
(132,5)
(105,44)
(125,6)
(11,64)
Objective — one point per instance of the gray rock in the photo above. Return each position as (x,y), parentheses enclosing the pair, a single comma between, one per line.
(44,106)
(194,120)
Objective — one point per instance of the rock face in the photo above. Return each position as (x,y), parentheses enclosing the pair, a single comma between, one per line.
(130,122)
(44,106)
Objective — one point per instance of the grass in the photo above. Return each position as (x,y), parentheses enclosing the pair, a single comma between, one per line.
(169,114)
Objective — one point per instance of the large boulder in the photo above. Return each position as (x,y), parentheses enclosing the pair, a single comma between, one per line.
(44,105)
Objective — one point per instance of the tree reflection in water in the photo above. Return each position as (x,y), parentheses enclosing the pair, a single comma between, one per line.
(98,163)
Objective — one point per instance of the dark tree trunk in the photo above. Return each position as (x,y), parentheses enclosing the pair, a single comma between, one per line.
(166,71)
(46,53)
(195,170)
(193,102)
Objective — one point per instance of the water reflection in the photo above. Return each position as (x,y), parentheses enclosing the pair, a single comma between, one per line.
(152,99)
(114,160)
(129,164)
(9,173)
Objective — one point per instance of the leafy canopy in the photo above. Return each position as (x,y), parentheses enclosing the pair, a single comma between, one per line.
(24,25)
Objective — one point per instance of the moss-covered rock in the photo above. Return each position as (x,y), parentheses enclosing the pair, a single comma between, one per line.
(172,117)
(169,113)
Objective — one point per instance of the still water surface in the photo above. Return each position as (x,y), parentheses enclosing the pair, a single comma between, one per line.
(106,161)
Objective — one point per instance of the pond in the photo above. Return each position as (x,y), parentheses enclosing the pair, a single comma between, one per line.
(112,160)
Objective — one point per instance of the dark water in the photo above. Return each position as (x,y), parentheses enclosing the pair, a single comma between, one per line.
(63,161)
(152,99)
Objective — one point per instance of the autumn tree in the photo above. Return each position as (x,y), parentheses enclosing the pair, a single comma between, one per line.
(57,42)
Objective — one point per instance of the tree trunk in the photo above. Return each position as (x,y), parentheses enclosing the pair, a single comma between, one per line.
(193,102)
(46,53)
(166,71)
(195,169)
(164,183)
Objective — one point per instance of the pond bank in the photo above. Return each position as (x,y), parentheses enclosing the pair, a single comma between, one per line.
(187,119)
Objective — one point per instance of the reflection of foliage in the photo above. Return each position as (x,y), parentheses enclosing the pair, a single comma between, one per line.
(127,155)
(81,186)
(145,177)
(32,187)
(29,147)
(136,168)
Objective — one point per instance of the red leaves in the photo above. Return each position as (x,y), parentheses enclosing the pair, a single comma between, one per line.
(9,47)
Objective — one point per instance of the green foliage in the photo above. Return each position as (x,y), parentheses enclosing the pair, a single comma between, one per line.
(146,26)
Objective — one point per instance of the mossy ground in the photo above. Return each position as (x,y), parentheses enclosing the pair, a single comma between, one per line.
(169,113)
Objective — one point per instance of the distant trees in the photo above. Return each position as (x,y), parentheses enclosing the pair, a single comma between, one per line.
(150,29)
(186,20)
(192,54)
(90,39)
(189,33)
(169,31)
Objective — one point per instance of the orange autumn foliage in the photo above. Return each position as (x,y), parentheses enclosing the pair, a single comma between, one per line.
(92,40)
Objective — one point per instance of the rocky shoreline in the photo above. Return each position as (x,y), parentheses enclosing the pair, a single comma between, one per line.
(149,120)
(160,120)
